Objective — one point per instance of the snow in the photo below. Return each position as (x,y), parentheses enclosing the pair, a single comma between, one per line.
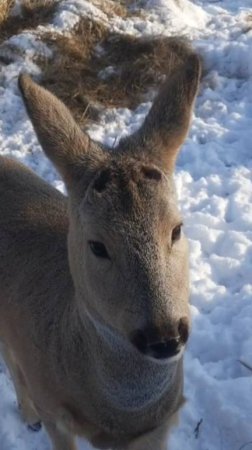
(178,15)
(214,182)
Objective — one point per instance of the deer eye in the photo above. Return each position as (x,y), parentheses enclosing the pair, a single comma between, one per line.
(99,249)
(176,233)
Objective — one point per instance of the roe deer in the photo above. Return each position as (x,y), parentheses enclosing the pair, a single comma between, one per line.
(94,312)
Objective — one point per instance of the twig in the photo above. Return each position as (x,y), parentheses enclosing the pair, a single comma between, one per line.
(245,445)
(245,365)
(197,429)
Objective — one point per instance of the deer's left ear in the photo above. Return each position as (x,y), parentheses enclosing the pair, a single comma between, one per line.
(165,127)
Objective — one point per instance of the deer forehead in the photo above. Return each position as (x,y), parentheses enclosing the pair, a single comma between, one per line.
(130,194)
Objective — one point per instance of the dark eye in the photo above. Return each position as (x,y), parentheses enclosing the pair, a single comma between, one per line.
(98,249)
(176,233)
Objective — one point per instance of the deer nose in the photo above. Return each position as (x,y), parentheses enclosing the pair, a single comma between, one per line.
(150,342)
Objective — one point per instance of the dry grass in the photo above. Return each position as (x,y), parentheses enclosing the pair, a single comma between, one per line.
(39,9)
(131,3)
(33,13)
(94,67)
(111,8)
(121,8)
(5,9)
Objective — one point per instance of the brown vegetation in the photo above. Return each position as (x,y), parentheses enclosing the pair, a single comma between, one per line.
(5,9)
(33,13)
(93,67)
(96,67)
(122,8)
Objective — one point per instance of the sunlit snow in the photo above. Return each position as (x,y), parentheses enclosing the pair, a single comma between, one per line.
(214,182)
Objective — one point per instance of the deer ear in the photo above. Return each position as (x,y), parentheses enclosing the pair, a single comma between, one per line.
(165,127)
(59,135)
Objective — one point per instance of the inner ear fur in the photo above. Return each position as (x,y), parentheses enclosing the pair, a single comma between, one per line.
(165,127)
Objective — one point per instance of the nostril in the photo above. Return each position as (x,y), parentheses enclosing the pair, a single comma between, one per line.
(165,349)
(183,329)
(139,341)
(157,349)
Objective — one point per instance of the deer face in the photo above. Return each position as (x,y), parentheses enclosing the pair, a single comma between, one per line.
(127,251)
(129,256)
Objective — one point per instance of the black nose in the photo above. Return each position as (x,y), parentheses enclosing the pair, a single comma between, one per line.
(159,349)
(162,344)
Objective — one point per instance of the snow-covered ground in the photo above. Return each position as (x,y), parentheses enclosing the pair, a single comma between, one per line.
(214,181)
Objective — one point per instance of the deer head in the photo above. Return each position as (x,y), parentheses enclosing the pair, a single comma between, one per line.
(128,255)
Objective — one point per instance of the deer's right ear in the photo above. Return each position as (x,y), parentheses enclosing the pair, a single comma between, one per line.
(61,138)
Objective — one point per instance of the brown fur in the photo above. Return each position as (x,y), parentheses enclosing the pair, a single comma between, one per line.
(66,316)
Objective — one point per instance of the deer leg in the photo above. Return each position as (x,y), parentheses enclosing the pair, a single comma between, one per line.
(61,438)
(149,441)
(155,439)
(27,408)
